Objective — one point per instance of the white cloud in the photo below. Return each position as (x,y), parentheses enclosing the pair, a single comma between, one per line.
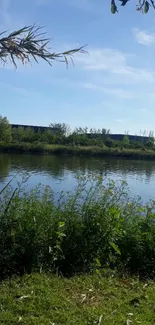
(115,91)
(119,121)
(143,37)
(102,59)
(115,63)
(110,72)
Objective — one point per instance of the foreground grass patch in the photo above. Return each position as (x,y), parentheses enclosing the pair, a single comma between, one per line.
(44,300)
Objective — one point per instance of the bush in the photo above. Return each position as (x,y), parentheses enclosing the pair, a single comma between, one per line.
(97,227)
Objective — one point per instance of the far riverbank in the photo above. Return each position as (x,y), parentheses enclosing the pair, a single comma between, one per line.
(43,149)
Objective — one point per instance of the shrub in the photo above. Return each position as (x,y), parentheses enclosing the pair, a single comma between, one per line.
(96,227)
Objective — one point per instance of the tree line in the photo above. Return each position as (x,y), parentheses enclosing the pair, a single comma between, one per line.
(61,134)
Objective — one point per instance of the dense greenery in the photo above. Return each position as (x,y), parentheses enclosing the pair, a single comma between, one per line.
(44,300)
(45,139)
(96,228)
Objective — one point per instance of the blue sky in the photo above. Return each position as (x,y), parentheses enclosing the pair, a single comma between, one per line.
(113,86)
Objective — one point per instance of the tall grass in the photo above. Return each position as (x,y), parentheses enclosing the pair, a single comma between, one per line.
(98,227)
(100,151)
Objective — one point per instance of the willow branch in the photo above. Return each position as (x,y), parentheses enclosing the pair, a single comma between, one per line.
(30,43)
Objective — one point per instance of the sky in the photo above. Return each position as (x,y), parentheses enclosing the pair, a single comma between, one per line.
(111,86)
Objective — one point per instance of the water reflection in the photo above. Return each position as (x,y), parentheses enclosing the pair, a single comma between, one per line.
(5,163)
(57,165)
(60,171)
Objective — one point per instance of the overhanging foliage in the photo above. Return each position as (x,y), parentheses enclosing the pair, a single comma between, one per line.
(30,43)
(142,5)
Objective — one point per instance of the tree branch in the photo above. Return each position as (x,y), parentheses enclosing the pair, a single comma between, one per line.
(30,43)
(143,5)
(153,4)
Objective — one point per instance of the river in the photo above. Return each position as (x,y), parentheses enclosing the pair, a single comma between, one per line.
(60,172)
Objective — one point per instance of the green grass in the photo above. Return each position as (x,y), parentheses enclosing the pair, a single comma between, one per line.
(40,148)
(40,299)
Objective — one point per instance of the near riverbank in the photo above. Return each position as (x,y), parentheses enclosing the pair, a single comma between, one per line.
(96,228)
(39,148)
(86,259)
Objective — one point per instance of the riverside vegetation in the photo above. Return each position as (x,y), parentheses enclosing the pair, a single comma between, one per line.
(96,228)
(87,258)
(58,139)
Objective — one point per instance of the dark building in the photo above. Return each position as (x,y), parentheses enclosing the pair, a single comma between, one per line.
(119,137)
(135,138)
(35,128)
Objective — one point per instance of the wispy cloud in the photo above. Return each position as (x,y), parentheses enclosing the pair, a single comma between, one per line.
(5,17)
(115,91)
(121,93)
(86,5)
(25,92)
(144,110)
(116,63)
(22,91)
(43,2)
(144,37)
(119,121)
(110,72)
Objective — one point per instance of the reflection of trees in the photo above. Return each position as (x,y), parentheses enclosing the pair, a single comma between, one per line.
(51,165)
(141,168)
(4,166)
(57,166)
(124,168)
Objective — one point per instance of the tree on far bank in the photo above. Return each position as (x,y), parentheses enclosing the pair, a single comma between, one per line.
(5,130)
(61,129)
(125,140)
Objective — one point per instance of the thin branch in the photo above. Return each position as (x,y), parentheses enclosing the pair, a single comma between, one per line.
(153,4)
(30,43)
(141,5)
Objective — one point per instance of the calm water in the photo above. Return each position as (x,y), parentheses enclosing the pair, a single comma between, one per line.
(60,172)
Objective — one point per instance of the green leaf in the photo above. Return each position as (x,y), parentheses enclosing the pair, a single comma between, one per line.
(115,247)
(61,224)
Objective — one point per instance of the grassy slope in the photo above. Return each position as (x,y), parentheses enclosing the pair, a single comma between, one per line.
(77,150)
(44,300)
